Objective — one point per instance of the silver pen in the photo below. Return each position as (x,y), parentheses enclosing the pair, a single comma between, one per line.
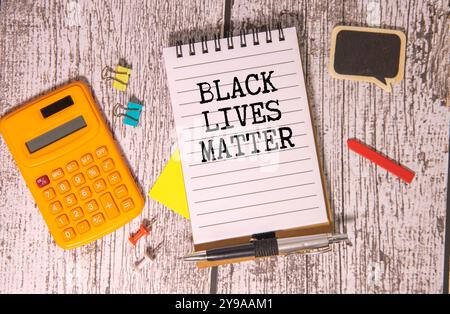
(303,244)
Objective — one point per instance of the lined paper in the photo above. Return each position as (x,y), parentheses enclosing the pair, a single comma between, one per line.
(260,185)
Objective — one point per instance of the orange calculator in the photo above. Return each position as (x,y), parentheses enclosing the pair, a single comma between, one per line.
(72,165)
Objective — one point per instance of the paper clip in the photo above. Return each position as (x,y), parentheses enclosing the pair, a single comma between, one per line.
(120,76)
(131,115)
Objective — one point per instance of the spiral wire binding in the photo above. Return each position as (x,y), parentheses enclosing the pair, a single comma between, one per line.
(255,37)
(192,47)
(204,41)
(268,33)
(179,49)
(230,40)
(217,42)
(243,38)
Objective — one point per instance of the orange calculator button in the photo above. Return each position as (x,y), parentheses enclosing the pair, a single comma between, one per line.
(78,179)
(127,204)
(109,206)
(55,207)
(85,192)
(63,187)
(99,185)
(93,172)
(91,206)
(98,219)
(57,174)
(86,159)
(83,227)
(101,152)
(76,213)
(114,178)
(121,191)
(62,221)
(49,194)
(70,200)
(108,165)
(68,234)
(72,166)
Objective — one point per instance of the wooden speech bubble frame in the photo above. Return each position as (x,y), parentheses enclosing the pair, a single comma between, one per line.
(389,80)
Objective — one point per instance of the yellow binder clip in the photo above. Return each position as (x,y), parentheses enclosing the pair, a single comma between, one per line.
(120,76)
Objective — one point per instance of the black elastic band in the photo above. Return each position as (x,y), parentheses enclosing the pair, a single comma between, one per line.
(264,235)
(266,247)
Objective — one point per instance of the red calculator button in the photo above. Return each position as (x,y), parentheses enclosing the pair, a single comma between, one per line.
(109,206)
(121,191)
(98,219)
(76,213)
(72,166)
(91,206)
(83,227)
(55,207)
(49,194)
(62,221)
(68,234)
(57,174)
(107,165)
(42,181)
(101,152)
(86,159)
(127,205)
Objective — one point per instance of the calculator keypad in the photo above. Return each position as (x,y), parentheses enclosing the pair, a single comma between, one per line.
(93,172)
(55,207)
(57,174)
(78,179)
(70,200)
(49,194)
(99,185)
(62,221)
(84,193)
(63,187)
(68,234)
(109,206)
(83,227)
(42,181)
(72,166)
(87,159)
(107,165)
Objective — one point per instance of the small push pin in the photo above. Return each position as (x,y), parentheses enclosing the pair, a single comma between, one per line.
(149,255)
(144,230)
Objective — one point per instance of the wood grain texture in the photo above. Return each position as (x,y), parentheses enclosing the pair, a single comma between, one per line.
(42,47)
(397,229)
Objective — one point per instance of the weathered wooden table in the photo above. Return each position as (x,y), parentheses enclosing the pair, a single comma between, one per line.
(397,229)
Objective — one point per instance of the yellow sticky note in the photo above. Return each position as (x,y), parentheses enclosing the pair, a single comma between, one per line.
(169,187)
(122,74)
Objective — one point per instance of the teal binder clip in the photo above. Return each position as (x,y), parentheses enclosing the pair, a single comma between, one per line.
(132,113)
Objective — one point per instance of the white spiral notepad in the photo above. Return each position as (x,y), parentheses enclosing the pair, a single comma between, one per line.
(245,135)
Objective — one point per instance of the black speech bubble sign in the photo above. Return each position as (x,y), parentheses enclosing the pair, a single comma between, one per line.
(368,54)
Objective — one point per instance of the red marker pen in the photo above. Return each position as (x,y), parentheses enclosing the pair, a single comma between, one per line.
(384,162)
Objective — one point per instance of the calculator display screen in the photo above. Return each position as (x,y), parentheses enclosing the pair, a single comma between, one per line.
(56,134)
